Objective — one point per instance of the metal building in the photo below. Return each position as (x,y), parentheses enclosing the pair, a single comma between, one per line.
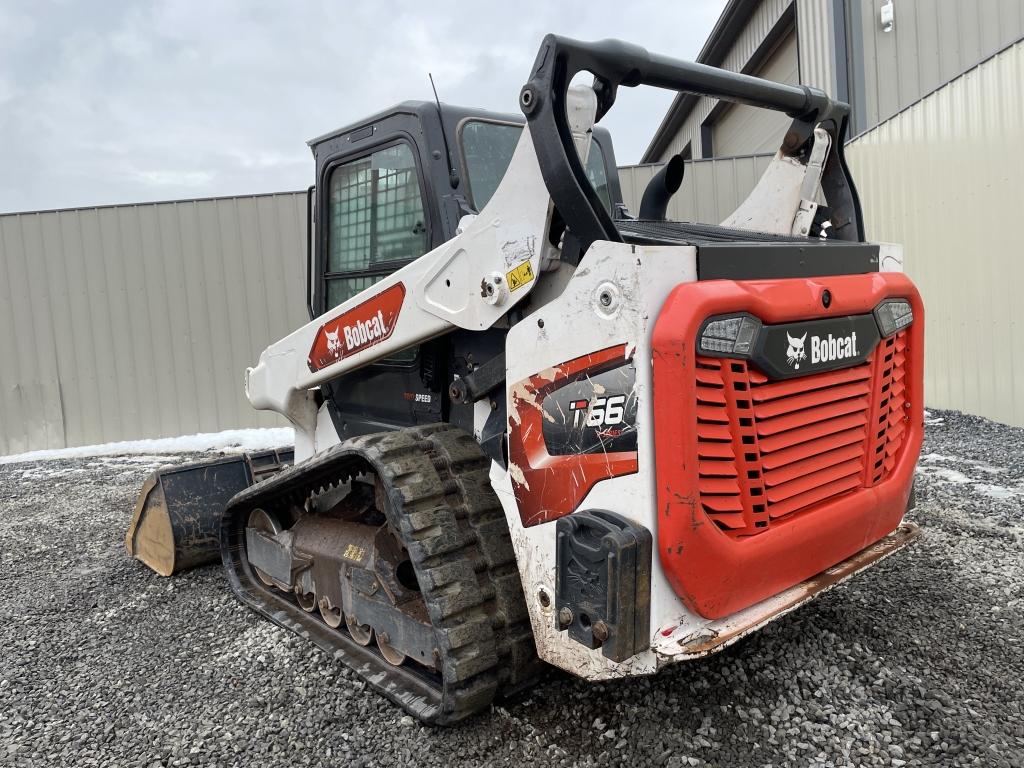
(937,95)
(711,188)
(944,178)
(879,55)
(137,321)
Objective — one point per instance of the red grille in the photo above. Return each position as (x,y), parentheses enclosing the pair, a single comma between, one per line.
(771,449)
(889,415)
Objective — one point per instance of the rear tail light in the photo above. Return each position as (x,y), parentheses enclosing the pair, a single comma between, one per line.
(893,315)
(734,335)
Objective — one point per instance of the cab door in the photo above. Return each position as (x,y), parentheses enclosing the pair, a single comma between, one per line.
(374,220)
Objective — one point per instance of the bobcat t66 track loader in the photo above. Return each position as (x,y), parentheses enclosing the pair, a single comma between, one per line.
(531,427)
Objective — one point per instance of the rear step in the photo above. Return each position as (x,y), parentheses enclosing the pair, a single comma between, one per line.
(176,523)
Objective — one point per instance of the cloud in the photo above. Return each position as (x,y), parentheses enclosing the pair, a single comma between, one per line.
(132,101)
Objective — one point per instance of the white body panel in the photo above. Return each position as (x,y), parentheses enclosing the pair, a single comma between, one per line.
(575,324)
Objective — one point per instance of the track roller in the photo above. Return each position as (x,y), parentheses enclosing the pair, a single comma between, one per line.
(361,633)
(307,601)
(390,654)
(332,616)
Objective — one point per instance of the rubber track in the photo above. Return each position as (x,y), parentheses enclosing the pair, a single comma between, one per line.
(465,472)
(442,505)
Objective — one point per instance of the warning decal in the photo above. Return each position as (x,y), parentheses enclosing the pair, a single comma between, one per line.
(519,276)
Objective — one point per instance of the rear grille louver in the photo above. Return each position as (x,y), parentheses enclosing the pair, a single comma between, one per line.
(889,422)
(771,449)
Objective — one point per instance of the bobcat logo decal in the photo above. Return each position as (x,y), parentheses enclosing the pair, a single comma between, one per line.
(333,342)
(363,326)
(795,352)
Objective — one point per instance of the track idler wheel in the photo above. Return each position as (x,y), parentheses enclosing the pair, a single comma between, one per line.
(268,524)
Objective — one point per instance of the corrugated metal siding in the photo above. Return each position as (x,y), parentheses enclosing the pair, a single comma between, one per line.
(944,179)
(749,130)
(712,189)
(931,42)
(761,23)
(817,44)
(138,321)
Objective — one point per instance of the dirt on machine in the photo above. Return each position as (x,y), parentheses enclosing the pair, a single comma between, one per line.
(535,428)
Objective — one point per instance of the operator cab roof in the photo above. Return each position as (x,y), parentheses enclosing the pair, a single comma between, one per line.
(419,108)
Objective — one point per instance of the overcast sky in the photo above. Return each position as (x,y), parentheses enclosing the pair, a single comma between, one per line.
(114,102)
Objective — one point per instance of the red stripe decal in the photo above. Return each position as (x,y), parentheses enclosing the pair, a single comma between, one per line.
(548,487)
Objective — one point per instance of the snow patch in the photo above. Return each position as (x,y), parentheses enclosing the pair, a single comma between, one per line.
(998,492)
(940,458)
(928,466)
(945,475)
(934,457)
(988,469)
(229,441)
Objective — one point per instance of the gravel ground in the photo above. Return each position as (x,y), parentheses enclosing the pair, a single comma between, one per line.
(920,661)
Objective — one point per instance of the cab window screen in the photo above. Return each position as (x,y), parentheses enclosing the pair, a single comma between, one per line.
(375,220)
(488,148)
(344,288)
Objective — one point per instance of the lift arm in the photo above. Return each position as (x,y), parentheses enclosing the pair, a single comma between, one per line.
(469,282)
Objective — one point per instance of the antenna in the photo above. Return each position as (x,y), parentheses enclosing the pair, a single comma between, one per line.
(453,177)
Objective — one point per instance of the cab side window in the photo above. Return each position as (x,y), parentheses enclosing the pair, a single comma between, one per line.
(376,221)
(598,176)
(487,149)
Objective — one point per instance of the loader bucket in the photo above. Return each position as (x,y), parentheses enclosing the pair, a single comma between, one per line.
(176,524)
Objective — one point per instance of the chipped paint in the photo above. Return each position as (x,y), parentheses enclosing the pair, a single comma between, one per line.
(515,252)
(536,567)
(517,475)
(523,394)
